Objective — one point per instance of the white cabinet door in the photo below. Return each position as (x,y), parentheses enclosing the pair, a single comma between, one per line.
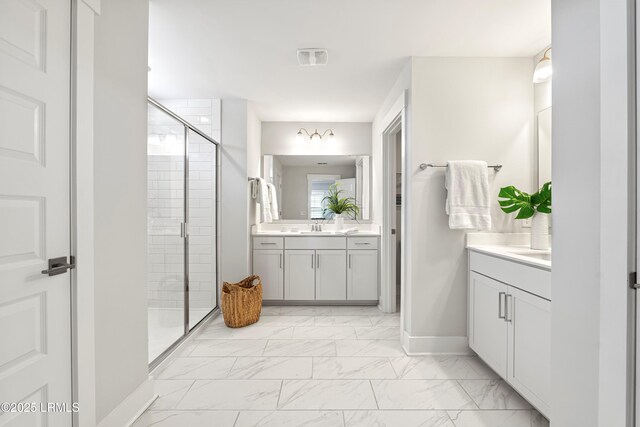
(331,277)
(529,320)
(487,326)
(269,265)
(299,276)
(362,275)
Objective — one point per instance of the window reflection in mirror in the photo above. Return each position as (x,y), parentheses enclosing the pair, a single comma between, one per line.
(303,181)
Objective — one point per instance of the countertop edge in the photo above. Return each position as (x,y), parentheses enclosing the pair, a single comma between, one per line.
(494,250)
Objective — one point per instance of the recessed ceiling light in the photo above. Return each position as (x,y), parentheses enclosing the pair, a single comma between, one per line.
(310,57)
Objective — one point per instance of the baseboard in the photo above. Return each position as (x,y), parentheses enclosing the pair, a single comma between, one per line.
(419,345)
(131,407)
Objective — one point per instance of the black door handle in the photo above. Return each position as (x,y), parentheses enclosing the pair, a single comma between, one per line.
(59,266)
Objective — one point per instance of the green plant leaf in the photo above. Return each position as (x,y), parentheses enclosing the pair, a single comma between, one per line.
(516,200)
(336,205)
(525,204)
(525,212)
(544,199)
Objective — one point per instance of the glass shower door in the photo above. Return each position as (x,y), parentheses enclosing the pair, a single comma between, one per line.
(165,241)
(202,217)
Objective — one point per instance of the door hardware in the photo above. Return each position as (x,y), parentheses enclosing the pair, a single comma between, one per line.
(59,265)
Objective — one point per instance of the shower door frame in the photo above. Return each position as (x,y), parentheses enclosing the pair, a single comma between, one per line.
(184,229)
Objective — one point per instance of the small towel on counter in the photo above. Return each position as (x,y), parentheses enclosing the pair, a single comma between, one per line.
(273,201)
(467,184)
(263,200)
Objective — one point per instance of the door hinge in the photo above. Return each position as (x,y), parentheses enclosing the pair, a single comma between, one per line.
(633,280)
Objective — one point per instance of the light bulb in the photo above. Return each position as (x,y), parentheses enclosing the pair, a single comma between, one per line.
(543,71)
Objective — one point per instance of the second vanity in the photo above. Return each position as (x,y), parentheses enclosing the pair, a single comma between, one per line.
(510,317)
(317,268)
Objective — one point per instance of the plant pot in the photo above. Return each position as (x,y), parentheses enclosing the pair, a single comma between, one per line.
(540,231)
(339,221)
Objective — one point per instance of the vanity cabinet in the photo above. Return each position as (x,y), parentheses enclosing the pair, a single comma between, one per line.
(362,275)
(317,268)
(510,323)
(488,329)
(268,259)
(270,264)
(331,281)
(300,269)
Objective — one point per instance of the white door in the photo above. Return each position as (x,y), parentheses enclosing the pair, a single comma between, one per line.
(362,275)
(331,277)
(299,275)
(269,265)
(487,324)
(35,343)
(529,349)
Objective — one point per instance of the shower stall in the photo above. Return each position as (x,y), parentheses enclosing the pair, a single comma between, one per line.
(182,217)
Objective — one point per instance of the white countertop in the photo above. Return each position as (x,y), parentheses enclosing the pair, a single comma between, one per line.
(520,254)
(323,234)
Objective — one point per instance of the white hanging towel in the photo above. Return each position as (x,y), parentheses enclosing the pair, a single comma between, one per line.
(263,200)
(467,184)
(273,201)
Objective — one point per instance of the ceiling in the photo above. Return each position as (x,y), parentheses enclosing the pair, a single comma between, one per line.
(247,48)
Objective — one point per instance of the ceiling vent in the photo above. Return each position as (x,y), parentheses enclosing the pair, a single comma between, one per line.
(311,56)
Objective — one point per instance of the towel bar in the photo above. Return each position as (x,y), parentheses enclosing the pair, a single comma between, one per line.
(423,166)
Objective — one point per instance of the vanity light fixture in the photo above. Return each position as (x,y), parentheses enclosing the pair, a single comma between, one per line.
(315,136)
(543,70)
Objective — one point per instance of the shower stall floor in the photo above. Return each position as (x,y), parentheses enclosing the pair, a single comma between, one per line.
(166,326)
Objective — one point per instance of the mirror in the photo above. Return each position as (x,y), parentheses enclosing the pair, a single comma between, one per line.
(301,183)
(544,146)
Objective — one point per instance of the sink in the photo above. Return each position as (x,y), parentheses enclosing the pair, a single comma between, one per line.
(541,255)
(316,232)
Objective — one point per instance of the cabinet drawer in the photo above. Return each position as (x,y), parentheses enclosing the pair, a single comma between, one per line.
(268,243)
(362,243)
(530,279)
(315,242)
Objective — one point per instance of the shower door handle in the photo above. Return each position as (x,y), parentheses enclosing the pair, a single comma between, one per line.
(183,230)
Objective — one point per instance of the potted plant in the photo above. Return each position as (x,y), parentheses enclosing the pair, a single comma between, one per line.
(336,207)
(536,206)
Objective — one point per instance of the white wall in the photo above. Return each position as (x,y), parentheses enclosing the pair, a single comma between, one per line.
(120,201)
(234,199)
(351,138)
(457,108)
(592,160)
(463,108)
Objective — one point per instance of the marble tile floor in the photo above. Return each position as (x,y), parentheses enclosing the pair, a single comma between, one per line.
(327,366)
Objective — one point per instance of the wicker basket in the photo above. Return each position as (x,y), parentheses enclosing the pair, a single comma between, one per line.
(242,302)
